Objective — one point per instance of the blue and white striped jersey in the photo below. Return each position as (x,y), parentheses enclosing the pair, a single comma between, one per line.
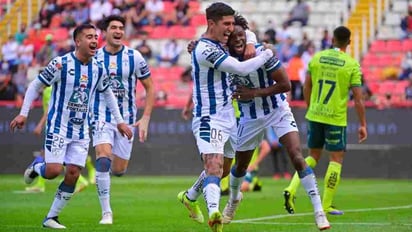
(124,68)
(74,84)
(211,91)
(260,78)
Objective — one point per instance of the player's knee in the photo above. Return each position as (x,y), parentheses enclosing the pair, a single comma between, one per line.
(238,171)
(118,173)
(103,164)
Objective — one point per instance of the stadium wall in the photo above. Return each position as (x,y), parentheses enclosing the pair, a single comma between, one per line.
(171,148)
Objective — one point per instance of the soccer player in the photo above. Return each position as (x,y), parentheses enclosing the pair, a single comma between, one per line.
(67,134)
(263,104)
(125,66)
(214,120)
(40,184)
(331,74)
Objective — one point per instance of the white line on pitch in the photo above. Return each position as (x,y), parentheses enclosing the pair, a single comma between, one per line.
(334,223)
(306,214)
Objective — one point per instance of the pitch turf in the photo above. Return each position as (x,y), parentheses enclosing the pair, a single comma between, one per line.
(150,204)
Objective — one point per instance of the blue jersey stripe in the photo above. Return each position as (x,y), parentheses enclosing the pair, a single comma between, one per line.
(52,109)
(77,75)
(61,96)
(130,81)
(108,114)
(273,97)
(197,80)
(265,103)
(211,90)
(120,74)
(224,87)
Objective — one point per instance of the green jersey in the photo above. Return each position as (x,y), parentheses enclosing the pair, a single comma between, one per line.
(333,73)
(46,98)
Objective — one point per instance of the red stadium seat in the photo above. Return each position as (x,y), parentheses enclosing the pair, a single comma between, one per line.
(394,46)
(407,45)
(378,46)
(181,32)
(198,20)
(194,6)
(159,32)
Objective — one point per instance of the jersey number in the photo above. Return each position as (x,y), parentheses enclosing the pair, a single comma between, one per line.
(332,85)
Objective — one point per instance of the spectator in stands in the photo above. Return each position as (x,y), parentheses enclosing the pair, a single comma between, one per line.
(406,24)
(8,91)
(308,54)
(21,35)
(136,15)
(287,50)
(145,49)
(326,41)
(26,52)
(19,79)
(48,9)
(269,36)
(155,10)
(68,17)
(99,9)
(181,14)
(47,52)
(299,13)
(406,67)
(282,33)
(81,12)
(296,72)
(408,90)
(9,51)
(169,55)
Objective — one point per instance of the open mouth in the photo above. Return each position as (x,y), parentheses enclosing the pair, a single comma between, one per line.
(93,46)
(117,37)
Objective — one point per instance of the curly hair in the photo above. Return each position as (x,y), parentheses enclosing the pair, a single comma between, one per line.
(241,21)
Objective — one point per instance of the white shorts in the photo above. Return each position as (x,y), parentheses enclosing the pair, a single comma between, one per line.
(104,132)
(251,131)
(58,149)
(216,134)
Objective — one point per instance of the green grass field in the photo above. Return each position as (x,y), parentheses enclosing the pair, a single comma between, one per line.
(150,204)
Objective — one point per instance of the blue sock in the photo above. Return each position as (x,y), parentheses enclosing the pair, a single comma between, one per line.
(305,172)
(103,164)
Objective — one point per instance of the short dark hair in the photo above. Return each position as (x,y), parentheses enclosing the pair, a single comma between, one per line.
(106,21)
(217,10)
(341,35)
(241,21)
(80,28)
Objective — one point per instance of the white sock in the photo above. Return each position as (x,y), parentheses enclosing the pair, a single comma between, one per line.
(235,183)
(60,201)
(311,187)
(211,193)
(194,192)
(37,167)
(103,190)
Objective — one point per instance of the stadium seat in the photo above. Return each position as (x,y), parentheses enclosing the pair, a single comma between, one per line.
(158,32)
(394,46)
(407,45)
(194,6)
(198,20)
(378,46)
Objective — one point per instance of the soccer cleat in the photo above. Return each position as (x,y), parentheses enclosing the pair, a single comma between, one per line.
(194,211)
(289,201)
(215,222)
(107,218)
(230,209)
(333,211)
(321,221)
(52,223)
(29,173)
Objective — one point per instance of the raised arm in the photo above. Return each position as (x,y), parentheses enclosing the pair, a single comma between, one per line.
(243,68)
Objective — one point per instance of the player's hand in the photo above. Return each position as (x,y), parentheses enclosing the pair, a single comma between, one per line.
(251,167)
(191,46)
(243,93)
(37,131)
(143,125)
(250,51)
(19,121)
(362,134)
(125,130)
(270,46)
(186,113)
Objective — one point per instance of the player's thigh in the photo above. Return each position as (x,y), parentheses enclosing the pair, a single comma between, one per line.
(230,145)
(335,138)
(77,152)
(282,122)
(55,148)
(212,133)
(250,134)
(316,135)
(103,133)
(122,146)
